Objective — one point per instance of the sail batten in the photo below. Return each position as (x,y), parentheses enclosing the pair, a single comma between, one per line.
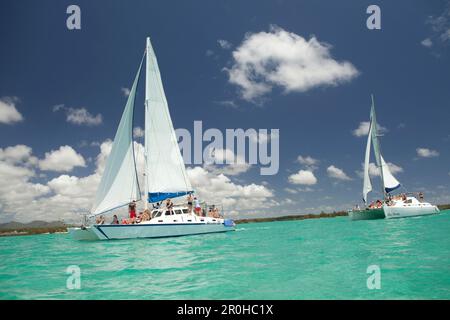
(165,172)
(119,183)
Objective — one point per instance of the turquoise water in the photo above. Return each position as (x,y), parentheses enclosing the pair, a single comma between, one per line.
(309,259)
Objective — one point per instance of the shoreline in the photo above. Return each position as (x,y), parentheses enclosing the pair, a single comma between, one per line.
(10,232)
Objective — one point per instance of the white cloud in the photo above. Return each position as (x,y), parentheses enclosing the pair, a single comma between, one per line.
(337,173)
(375,172)
(308,160)
(219,189)
(226,162)
(304,177)
(280,58)
(8,111)
(224,44)
(138,132)
(17,154)
(227,103)
(262,137)
(62,160)
(427,153)
(427,42)
(79,116)
(125,91)
(363,129)
(66,196)
(290,190)
(440,27)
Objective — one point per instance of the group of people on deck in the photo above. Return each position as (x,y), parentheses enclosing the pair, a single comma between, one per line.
(390,200)
(133,217)
(192,202)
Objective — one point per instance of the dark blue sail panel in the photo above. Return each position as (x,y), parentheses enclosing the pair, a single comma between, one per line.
(388,190)
(160,196)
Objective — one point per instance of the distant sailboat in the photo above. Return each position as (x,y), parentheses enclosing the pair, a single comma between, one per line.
(405,205)
(165,173)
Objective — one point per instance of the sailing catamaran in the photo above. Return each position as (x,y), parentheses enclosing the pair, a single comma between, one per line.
(399,206)
(165,173)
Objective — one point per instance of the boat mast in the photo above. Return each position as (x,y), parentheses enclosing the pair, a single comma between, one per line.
(376,145)
(147,80)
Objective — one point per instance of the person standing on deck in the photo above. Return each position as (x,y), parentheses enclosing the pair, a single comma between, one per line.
(198,208)
(190,198)
(169,205)
(132,211)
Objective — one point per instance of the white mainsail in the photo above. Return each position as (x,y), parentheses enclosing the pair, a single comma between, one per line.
(119,184)
(165,173)
(367,186)
(389,182)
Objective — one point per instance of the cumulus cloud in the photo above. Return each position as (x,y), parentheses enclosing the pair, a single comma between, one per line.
(224,161)
(279,58)
(427,153)
(8,110)
(79,116)
(363,129)
(234,197)
(336,173)
(304,177)
(262,137)
(63,197)
(67,196)
(18,154)
(62,160)
(308,160)
(375,172)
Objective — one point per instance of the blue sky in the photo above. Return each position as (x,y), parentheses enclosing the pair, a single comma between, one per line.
(43,64)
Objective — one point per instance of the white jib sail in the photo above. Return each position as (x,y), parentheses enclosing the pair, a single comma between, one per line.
(165,171)
(390,182)
(119,184)
(367,186)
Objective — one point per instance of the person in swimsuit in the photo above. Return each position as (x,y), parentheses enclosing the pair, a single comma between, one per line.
(115,220)
(190,198)
(132,211)
(169,204)
(198,208)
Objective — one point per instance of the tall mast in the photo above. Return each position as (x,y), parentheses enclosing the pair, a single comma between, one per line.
(147,97)
(376,145)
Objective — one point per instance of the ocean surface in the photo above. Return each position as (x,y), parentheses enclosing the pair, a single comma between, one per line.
(309,259)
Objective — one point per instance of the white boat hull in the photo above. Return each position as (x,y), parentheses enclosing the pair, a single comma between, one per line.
(394,212)
(147,230)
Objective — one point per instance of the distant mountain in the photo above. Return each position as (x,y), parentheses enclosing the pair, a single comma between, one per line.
(30,225)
